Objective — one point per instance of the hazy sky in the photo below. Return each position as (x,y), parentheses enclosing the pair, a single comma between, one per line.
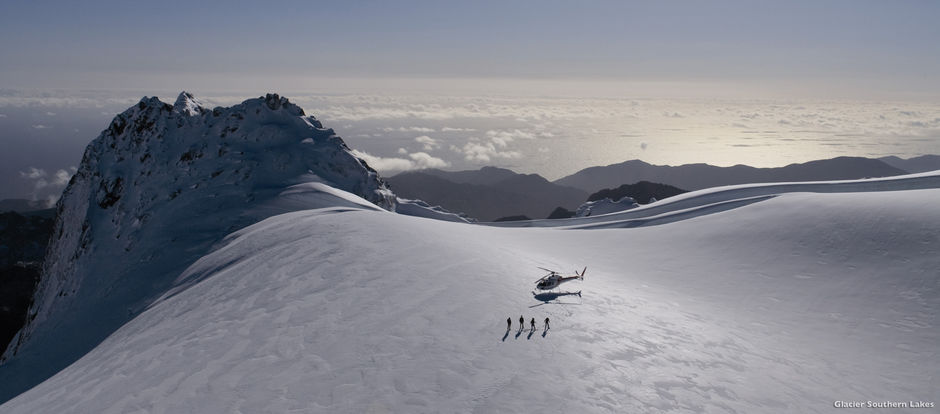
(538,86)
(890,47)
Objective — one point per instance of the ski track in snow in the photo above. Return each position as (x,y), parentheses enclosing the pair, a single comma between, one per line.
(781,304)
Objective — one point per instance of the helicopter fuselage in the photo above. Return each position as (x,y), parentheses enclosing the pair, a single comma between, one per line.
(553,279)
(552,282)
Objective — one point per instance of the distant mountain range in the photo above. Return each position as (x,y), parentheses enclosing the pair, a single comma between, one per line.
(21,205)
(487,194)
(699,176)
(923,163)
(492,193)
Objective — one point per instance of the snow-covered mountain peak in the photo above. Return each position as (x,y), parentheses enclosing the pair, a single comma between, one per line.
(159,187)
(187,104)
(195,139)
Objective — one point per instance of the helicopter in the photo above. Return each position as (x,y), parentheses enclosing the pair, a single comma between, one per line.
(553,279)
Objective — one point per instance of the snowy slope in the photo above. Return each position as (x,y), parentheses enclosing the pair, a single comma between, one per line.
(783,304)
(154,192)
(712,200)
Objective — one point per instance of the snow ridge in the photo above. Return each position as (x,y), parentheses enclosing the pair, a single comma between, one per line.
(156,190)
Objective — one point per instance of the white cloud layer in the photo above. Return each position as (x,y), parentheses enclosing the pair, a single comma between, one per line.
(415,161)
(483,152)
(47,186)
(408,129)
(503,138)
(584,132)
(428,142)
(556,136)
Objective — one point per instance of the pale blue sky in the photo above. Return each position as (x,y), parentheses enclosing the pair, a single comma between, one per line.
(889,47)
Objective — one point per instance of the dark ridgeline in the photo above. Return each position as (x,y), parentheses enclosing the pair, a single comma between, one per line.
(920,164)
(698,176)
(560,213)
(21,205)
(492,193)
(23,241)
(487,194)
(512,218)
(642,192)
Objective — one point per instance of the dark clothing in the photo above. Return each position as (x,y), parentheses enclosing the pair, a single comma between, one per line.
(533,323)
(521,322)
(508,323)
(546,323)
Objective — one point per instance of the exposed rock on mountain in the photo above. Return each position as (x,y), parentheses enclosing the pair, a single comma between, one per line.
(642,192)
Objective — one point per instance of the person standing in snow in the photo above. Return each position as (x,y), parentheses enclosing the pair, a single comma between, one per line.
(508,323)
(532,322)
(546,323)
(521,323)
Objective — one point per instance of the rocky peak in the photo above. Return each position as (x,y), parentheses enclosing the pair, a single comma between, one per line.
(159,188)
(275,102)
(186,104)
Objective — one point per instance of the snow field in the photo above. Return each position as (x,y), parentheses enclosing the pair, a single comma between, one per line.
(786,304)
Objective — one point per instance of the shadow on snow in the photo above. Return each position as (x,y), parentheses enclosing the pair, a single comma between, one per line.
(551,297)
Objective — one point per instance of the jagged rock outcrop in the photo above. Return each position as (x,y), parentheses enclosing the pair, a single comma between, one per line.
(605,206)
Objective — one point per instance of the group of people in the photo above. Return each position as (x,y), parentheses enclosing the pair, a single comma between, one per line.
(522,323)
